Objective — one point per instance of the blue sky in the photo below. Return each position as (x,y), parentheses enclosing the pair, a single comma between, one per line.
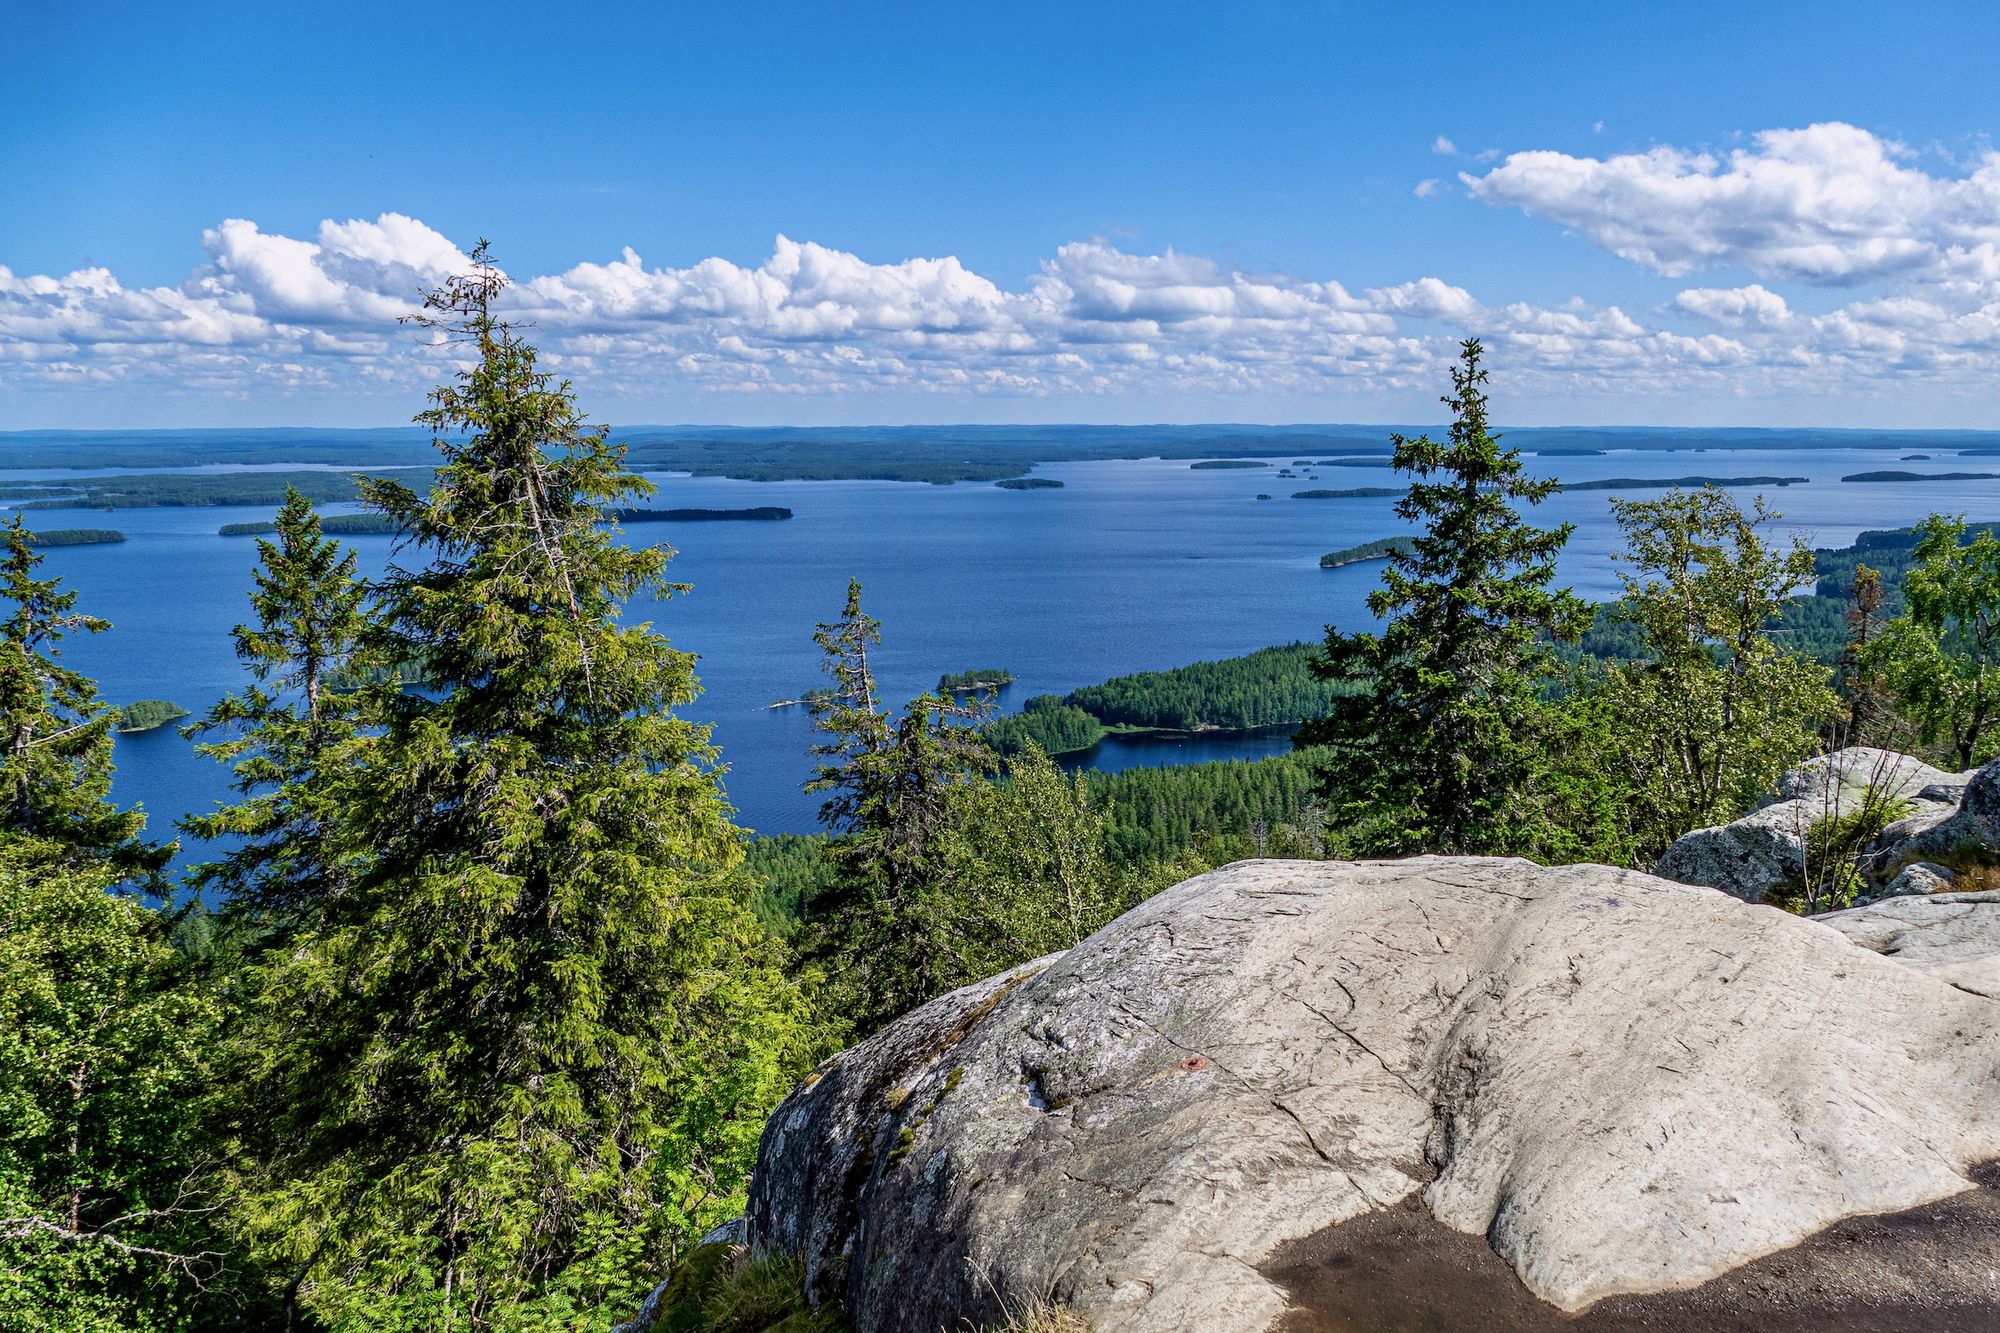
(1009,212)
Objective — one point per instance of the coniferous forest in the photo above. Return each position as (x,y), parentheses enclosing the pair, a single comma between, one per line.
(473,1010)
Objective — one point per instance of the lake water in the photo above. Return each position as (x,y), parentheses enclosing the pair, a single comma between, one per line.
(1133,565)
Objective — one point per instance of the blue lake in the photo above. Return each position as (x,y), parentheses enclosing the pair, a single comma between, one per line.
(1133,565)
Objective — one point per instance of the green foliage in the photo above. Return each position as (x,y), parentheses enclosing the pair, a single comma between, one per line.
(1226,464)
(717,1291)
(1940,659)
(1157,815)
(1032,850)
(1440,739)
(1029,484)
(1347,493)
(1268,688)
(146,714)
(1837,858)
(76,537)
(523,1053)
(109,1191)
(1045,722)
(55,769)
(790,871)
(891,927)
(292,735)
(1705,720)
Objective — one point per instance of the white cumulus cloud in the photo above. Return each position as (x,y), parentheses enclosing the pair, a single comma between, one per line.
(265,314)
(1829,204)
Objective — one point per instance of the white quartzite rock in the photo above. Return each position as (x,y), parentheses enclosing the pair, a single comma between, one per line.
(1747,857)
(1626,1084)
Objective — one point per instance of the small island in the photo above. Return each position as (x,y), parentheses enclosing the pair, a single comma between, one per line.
(1569,453)
(1922,476)
(1379,549)
(975,682)
(1226,464)
(75,537)
(1653,483)
(1029,484)
(1355,462)
(1351,493)
(756,514)
(1262,495)
(340,525)
(1914,458)
(147,715)
(805,700)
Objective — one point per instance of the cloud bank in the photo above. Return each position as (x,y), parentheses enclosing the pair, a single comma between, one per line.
(1901,265)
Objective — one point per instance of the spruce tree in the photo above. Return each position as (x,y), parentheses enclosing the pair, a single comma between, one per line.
(894,920)
(1437,749)
(290,735)
(529,1052)
(55,769)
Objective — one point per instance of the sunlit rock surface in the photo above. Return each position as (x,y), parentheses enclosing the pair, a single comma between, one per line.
(1623,1084)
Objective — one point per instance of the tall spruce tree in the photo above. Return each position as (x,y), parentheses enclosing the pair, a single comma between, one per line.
(893,924)
(1437,749)
(55,769)
(529,1051)
(290,735)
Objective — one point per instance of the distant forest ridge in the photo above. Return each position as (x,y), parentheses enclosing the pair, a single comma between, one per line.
(917,453)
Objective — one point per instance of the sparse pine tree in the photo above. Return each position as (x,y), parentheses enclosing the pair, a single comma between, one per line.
(892,923)
(1439,746)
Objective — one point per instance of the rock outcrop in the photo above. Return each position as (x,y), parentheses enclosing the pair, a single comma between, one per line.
(1748,857)
(1623,1084)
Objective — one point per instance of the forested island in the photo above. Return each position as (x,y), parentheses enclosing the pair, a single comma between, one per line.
(975,682)
(1669,483)
(1920,476)
(76,537)
(1226,464)
(1029,484)
(1349,493)
(1379,549)
(148,714)
(188,489)
(754,514)
(346,525)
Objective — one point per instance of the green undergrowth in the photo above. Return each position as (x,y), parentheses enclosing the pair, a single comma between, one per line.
(716,1290)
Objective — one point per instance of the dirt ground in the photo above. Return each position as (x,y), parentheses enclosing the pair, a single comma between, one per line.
(1934,1269)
